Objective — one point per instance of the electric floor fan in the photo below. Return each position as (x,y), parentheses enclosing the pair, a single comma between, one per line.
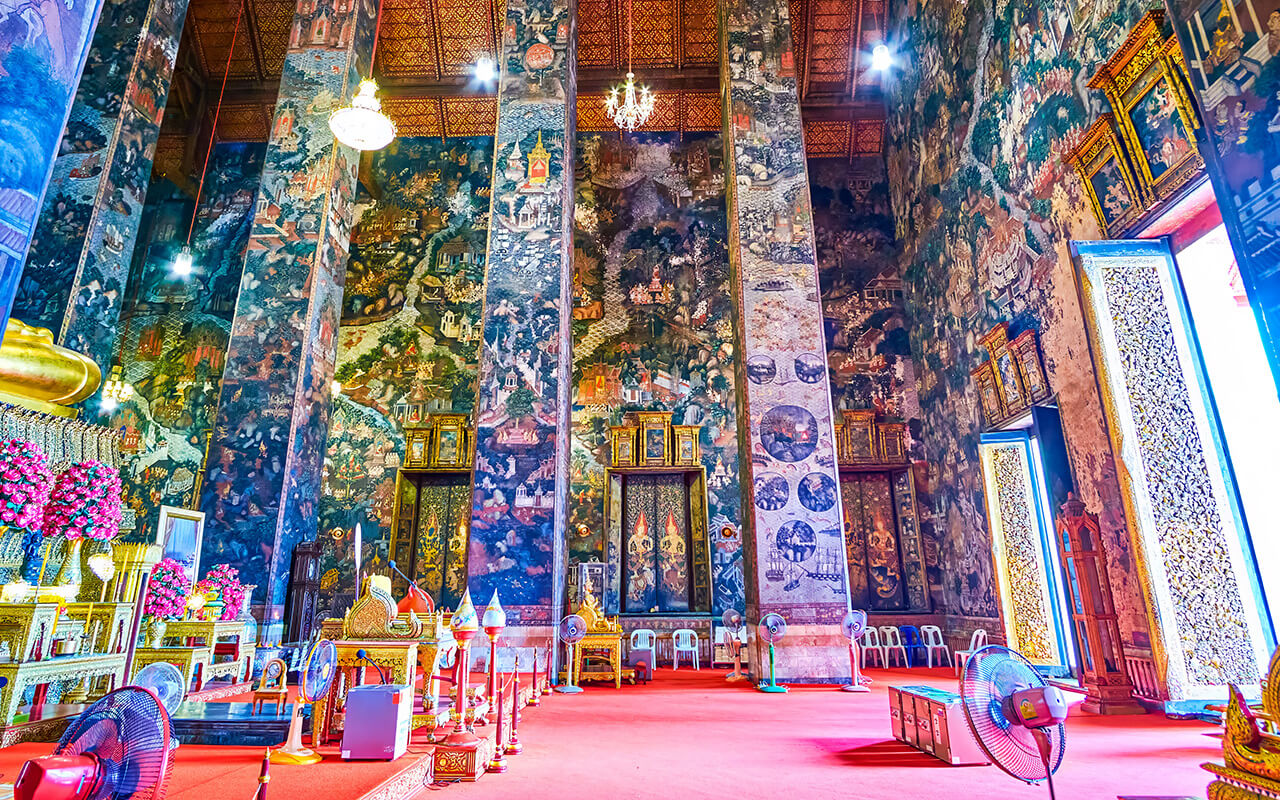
(117,749)
(167,683)
(734,630)
(317,674)
(771,629)
(1015,716)
(572,629)
(853,626)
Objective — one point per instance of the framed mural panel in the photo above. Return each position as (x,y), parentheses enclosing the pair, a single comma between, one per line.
(988,393)
(623,440)
(181,535)
(1146,84)
(415,445)
(1104,168)
(450,441)
(655,438)
(684,442)
(1027,354)
(1005,369)
(860,430)
(892,442)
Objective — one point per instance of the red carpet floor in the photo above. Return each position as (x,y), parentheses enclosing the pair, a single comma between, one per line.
(688,735)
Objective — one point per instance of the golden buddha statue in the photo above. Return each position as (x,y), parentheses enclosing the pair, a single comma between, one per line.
(35,373)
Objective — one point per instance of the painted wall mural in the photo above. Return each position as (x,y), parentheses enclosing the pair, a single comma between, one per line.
(653,325)
(174,332)
(990,96)
(522,415)
(1231,49)
(409,336)
(262,476)
(43,46)
(785,393)
(75,278)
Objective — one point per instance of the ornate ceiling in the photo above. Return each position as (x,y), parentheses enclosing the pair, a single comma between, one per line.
(427,49)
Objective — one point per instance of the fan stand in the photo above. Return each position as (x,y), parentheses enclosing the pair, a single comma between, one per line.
(737,673)
(293,752)
(856,686)
(1043,745)
(772,686)
(568,687)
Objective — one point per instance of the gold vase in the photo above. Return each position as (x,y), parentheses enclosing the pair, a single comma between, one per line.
(69,574)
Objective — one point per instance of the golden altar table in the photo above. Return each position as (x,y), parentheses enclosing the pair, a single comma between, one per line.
(28,628)
(398,657)
(110,625)
(603,635)
(62,668)
(216,635)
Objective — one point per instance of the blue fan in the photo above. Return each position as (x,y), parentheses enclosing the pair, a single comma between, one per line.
(117,749)
(571,630)
(1015,716)
(771,629)
(317,675)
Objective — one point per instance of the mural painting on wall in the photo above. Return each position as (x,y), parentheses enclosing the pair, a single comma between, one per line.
(262,477)
(407,345)
(43,47)
(653,325)
(174,333)
(786,393)
(83,244)
(522,414)
(993,94)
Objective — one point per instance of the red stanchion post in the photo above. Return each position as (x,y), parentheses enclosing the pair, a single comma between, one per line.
(513,744)
(535,693)
(498,763)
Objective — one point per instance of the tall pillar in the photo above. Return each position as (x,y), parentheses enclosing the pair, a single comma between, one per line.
(75,277)
(262,474)
(785,420)
(42,52)
(522,415)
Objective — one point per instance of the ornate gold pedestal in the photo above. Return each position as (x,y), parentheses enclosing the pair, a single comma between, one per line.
(1251,755)
(462,762)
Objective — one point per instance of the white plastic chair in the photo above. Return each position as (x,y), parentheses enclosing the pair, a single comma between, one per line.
(870,643)
(932,636)
(976,642)
(644,639)
(684,640)
(893,643)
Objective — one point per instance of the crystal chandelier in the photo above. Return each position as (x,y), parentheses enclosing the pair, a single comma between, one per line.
(627,105)
(362,124)
(115,391)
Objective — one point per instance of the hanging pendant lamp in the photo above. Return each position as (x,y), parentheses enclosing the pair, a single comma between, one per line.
(362,125)
(629,105)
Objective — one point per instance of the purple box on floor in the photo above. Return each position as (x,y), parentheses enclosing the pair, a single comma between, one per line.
(377,722)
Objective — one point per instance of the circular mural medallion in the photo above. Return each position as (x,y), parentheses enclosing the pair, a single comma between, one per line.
(796,541)
(771,491)
(539,56)
(761,369)
(817,491)
(789,433)
(809,368)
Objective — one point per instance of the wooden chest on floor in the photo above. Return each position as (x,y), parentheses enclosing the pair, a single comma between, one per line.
(933,720)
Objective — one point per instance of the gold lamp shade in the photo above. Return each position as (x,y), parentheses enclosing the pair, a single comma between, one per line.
(36,373)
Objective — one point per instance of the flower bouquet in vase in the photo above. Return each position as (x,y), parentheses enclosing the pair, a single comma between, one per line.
(223,579)
(167,592)
(84,504)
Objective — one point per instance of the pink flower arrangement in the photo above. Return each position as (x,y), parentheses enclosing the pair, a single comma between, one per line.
(225,580)
(25,483)
(167,590)
(85,502)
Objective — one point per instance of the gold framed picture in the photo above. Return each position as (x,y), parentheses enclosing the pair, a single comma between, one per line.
(842,447)
(415,445)
(1008,379)
(860,431)
(1103,164)
(655,439)
(1026,351)
(450,441)
(988,393)
(892,442)
(623,440)
(1146,85)
(685,445)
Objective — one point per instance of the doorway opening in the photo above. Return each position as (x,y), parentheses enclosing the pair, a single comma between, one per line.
(429,533)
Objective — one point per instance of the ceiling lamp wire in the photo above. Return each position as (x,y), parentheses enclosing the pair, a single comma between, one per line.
(628,105)
(362,124)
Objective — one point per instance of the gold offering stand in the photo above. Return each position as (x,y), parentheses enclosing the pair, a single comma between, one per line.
(604,635)
(1250,754)
(402,644)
